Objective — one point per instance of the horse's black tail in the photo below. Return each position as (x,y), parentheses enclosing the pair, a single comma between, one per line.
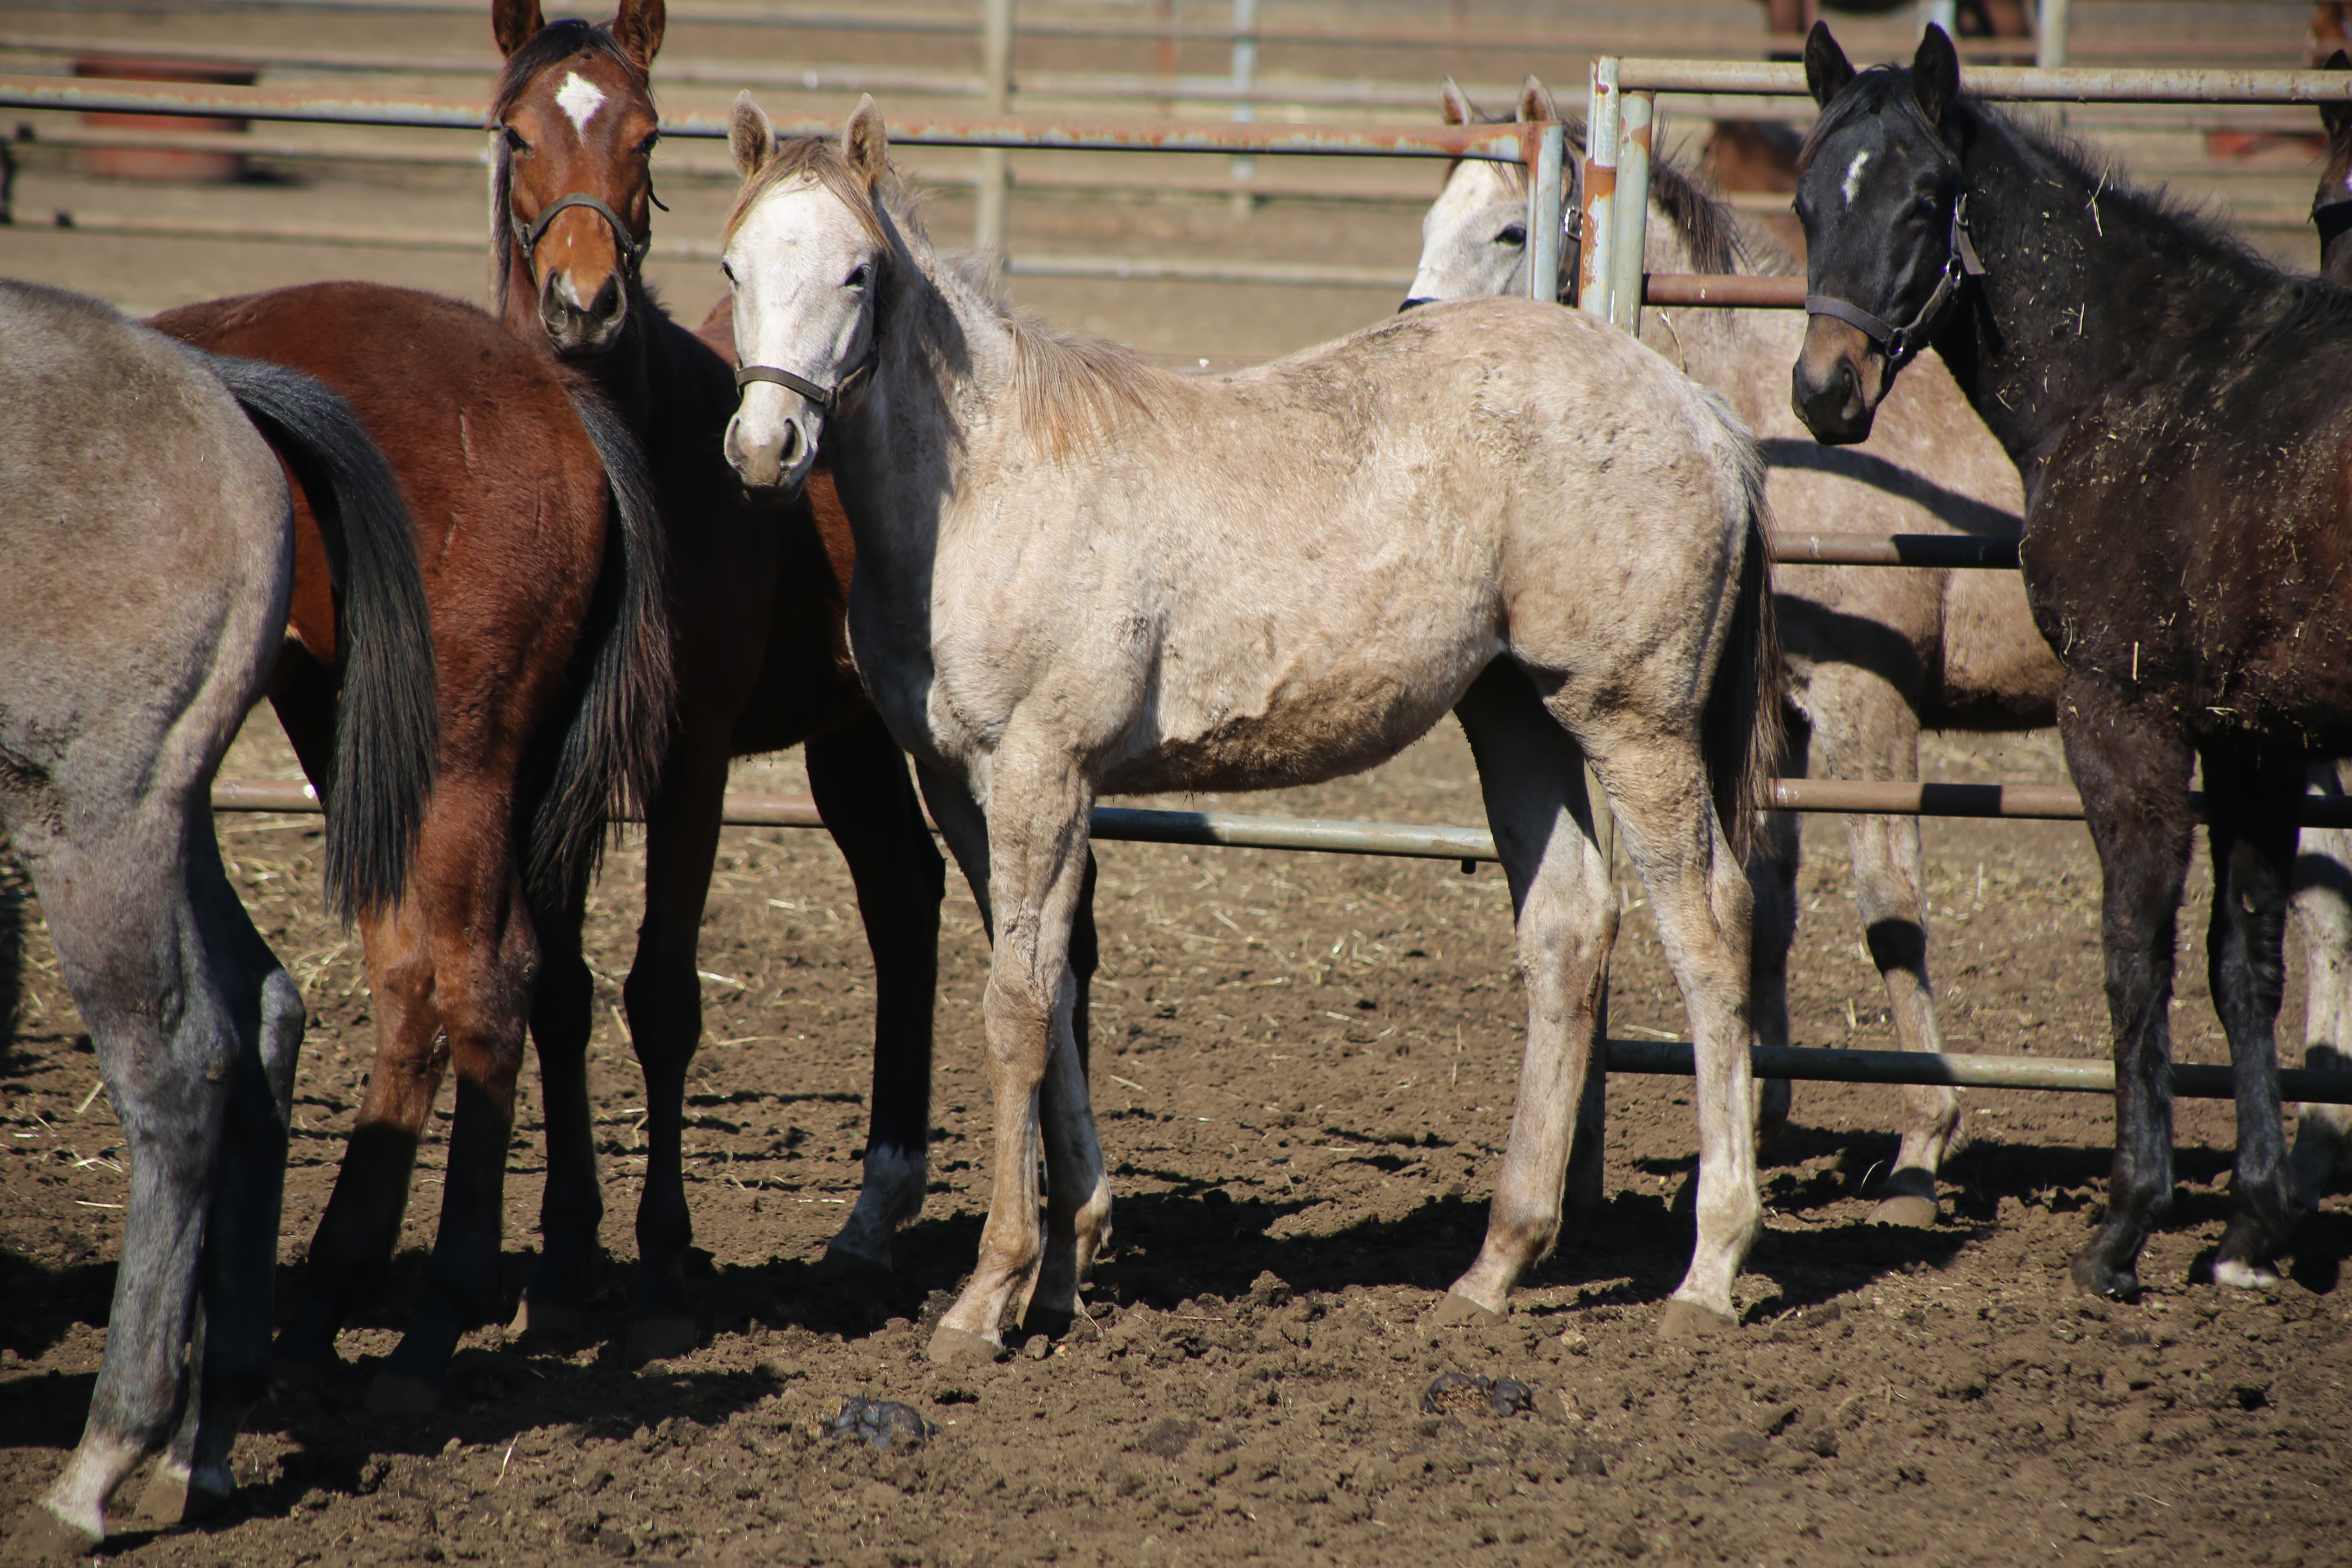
(606,758)
(387,722)
(1740,726)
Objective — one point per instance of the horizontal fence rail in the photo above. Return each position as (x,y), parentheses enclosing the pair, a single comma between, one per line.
(2191,1081)
(1946,551)
(1242,830)
(2014,84)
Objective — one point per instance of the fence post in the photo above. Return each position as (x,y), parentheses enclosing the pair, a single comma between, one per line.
(996,71)
(1600,189)
(1629,211)
(1245,169)
(2050,34)
(1545,147)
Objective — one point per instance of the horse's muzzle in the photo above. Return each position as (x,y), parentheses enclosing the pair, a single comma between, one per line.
(772,457)
(580,331)
(1837,381)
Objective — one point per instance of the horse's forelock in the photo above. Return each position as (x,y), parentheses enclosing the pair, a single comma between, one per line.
(820,159)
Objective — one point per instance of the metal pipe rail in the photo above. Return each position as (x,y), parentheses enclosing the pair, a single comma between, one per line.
(1239,830)
(2014,84)
(2191,1081)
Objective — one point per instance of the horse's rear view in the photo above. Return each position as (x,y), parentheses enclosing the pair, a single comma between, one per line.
(147,529)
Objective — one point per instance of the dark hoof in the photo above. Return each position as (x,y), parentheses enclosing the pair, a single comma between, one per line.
(2092,1276)
(402,1393)
(961,1347)
(42,1537)
(171,1499)
(552,1320)
(661,1337)
(1908,1212)
(1456,1310)
(1682,1319)
(1076,1328)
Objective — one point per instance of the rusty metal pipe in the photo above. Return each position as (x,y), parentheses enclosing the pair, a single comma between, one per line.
(2191,1081)
(1727,289)
(2175,84)
(1944,550)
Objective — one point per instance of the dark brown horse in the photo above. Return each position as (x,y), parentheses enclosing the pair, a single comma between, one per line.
(535,540)
(2181,414)
(762,654)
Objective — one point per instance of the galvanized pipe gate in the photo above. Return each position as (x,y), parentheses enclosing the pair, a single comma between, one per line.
(1610,283)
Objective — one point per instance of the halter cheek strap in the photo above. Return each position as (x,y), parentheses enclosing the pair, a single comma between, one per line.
(1899,343)
(2332,220)
(528,235)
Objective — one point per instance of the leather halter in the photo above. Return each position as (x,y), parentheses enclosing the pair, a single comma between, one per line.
(2332,219)
(1899,343)
(528,235)
(824,397)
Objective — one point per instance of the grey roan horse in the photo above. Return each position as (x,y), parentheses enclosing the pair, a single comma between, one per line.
(149,536)
(2180,413)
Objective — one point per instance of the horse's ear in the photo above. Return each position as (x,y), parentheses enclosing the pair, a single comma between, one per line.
(1535,103)
(2337,116)
(1827,70)
(1936,74)
(514,23)
(638,30)
(749,136)
(864,142)
(1456,104)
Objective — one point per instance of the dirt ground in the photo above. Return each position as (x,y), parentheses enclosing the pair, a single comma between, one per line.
(1304,1067)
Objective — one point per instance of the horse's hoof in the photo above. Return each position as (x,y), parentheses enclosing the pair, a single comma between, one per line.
(555,1320)
(660,1337)
(1908,1212)
(2243,1276)
(2092,1276)
(1683,1320)
(172,1498)
(849,1263)
(402,1393)
(961,1347)
(1076,1327)
(43,1537)
(1456,1310)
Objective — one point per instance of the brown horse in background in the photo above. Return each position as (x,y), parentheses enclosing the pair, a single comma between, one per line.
(534,538)
(762,657)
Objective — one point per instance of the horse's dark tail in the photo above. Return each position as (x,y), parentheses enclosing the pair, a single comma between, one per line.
(607,759)
(1740,727)
(387,722)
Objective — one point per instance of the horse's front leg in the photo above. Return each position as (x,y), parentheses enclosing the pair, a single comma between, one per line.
(2322,914)
(2132,767)
(859,779)
(1037,809)
(664,995)
(2253,812)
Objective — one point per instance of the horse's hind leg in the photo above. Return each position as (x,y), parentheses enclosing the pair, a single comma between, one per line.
(1531,775)
(1657,783)
(2323,912)
(2253,811)
(230,1352)
(1772,873)
(859,780)
(1866,730)
(571,1205)
(2132,768)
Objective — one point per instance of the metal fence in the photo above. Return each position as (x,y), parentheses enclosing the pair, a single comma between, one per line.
(1614,180)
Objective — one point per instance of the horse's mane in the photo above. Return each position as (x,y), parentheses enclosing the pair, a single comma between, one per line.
(1068,387)
(551,45)
(1705,223)
(1882,88)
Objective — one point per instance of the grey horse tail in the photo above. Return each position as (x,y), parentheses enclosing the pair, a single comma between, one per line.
(388,720)
(1740,727)
(606,758)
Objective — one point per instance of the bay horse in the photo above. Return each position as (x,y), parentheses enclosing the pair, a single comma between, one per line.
(762,656)
(1873,655)
(151,557)
(535,537)
(2185,462)
(1078,574)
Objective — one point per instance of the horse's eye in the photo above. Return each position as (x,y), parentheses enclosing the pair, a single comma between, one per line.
(1513,233)
(859,277)
(515,143)
(729,273)
(645,147)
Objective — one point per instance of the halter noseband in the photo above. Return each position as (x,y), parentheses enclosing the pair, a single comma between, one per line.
(528,235)
(824,397)
(1899,343)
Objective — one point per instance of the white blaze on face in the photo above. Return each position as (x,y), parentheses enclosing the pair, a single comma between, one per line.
(1853,174)
(579,98)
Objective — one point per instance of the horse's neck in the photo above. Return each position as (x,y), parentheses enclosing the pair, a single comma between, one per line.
(2086,292)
